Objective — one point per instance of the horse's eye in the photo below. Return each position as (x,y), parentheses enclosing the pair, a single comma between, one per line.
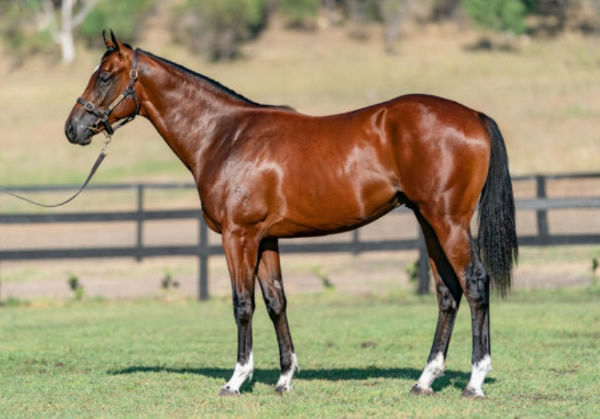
(104,78)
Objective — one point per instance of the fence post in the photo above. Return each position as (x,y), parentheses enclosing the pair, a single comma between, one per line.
(423,265)
(541,214)
(203,249)
(355,241)
(140,222)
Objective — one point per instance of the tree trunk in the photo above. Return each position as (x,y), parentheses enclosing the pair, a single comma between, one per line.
(330,8)
(68,23)
(65,37)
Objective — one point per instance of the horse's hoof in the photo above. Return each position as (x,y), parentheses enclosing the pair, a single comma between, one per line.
(418,390)
(282,389)
(227,392)
(469,393)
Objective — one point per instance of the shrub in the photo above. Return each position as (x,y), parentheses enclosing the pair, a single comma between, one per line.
(500,15)
(217,27)
(77,290)
(125,18)
(19,29)
(300,13)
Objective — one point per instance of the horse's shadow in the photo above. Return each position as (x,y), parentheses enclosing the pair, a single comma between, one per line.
(457,379)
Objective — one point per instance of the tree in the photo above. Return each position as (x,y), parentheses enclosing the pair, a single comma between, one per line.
(217,27)
(69,22)
(394,14)
(124,17)
(445,9)
(34,25)
(500,15)
(300,14)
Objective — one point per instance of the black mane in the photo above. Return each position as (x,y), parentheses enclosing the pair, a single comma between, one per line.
(212,82)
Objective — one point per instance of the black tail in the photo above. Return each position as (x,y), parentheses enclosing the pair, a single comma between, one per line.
(497,234)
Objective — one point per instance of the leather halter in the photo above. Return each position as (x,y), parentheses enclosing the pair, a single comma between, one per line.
(103,115)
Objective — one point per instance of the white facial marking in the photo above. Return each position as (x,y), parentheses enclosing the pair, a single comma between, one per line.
(480,370)
(433,369)
(240,374)
(285,379)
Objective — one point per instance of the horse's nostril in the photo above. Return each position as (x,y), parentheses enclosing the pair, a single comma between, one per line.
(70,131)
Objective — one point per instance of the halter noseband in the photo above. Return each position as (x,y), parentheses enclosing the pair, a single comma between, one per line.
(103,115)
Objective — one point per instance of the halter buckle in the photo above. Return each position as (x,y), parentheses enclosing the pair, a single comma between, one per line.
(89,106)
(133,74)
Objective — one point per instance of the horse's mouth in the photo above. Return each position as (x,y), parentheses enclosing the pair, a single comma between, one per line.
(87,139)
(84,139)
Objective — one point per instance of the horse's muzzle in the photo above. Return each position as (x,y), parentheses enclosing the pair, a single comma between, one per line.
(78,134)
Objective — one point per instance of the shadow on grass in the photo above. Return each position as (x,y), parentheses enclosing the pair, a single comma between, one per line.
(457,379)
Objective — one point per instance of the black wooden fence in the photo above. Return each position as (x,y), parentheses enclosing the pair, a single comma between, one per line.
(202,249)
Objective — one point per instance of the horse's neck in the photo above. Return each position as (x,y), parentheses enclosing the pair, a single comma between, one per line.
(187,112)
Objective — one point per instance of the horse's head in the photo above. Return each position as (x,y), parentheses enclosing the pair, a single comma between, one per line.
(110,95)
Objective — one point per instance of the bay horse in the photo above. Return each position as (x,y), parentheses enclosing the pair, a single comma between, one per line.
(268,172)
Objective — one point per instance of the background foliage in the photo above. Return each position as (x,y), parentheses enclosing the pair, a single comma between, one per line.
(126,18)
(22,30)
(500,15)
(300,13)
(217,28)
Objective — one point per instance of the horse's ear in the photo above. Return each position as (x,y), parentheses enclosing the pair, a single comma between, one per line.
(115,41)
(110,43)
(106,42)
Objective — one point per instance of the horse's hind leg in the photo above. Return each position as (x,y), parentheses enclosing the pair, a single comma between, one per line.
(460,251)
(477,292)
(241,252)
(448,293)
(271,284)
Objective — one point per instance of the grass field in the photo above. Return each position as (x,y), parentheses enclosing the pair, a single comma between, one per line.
(358,357)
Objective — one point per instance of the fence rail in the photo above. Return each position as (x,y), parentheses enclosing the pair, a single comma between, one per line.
(203,249)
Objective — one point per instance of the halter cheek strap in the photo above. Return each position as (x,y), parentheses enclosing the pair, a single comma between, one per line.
(104,115)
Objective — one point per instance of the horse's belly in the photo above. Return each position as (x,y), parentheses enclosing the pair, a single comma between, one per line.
(335,211)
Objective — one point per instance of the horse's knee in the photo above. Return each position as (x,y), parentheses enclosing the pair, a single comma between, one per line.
(243,307)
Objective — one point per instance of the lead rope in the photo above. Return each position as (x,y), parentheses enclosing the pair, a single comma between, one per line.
(101,156)
(108,132)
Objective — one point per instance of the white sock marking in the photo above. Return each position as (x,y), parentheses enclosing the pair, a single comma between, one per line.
(285,379)
(240,374)
(478,374)
(433,369)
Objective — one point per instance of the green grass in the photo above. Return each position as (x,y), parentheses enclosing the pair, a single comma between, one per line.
(152,358)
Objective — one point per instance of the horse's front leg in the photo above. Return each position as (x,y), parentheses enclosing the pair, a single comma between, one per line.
(271,284)
(241,252)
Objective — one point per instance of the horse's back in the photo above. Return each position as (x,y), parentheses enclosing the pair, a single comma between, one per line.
(308,175)
(340,171)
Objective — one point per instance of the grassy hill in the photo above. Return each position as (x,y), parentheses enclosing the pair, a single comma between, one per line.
(544,96)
